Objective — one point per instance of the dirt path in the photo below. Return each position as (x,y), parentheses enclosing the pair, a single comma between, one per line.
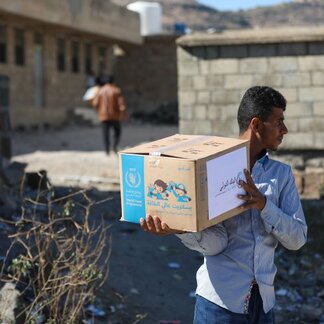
(75,156)
(151,279)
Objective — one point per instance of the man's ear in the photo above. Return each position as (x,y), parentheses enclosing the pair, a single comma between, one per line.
(255,126)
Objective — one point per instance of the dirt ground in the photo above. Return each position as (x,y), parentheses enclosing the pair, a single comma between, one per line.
(152,279)
(74,155)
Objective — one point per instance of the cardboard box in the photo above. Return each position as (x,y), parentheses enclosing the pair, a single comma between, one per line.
(190,181)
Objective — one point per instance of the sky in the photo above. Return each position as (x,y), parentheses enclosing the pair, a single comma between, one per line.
(239,4)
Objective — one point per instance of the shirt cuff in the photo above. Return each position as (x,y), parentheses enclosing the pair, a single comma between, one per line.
(270,216)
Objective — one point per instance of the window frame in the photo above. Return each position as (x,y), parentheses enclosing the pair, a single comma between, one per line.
(3,44)
(75,56)
(61,54)
(20,46)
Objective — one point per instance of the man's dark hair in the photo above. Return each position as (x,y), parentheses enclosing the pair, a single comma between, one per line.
(104,79)
(258,102)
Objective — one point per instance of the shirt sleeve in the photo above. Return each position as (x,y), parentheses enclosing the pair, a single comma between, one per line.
(210,241)
(286,221)
(121,101)
(95,101)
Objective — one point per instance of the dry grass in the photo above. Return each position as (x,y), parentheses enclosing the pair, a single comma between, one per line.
(57,259)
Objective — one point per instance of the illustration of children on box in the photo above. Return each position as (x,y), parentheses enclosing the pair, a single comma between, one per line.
(179,191)
(158,190)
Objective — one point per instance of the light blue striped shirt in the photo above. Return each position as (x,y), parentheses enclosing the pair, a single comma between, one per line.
(241,249)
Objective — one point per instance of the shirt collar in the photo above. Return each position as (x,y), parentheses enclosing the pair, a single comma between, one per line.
(262,161)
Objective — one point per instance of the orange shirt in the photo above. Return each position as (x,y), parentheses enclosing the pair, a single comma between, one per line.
(109,103)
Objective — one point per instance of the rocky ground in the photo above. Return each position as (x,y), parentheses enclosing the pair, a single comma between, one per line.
(152,279)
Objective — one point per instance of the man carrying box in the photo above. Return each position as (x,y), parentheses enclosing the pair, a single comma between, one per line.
(235,283)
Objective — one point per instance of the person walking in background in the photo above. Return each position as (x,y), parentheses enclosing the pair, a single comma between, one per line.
(111,109)
(235,283)
(91,80)
(92,91)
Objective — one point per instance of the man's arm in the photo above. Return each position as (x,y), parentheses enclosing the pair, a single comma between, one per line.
(95,101)
(121,101)
(210,241)
(285,221)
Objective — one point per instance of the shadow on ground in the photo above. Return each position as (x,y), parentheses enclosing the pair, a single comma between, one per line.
(152,279)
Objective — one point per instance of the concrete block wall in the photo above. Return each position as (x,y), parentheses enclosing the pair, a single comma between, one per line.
(213,78)
(98,22)
(62,91)
(147,74)
(214,71)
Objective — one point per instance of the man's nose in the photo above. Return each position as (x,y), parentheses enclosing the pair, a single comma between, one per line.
(284,129)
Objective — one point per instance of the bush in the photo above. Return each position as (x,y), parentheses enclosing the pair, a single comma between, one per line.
(56,258)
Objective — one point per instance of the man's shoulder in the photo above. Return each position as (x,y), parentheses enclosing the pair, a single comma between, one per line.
(116,88)
(273,163)
(107,89)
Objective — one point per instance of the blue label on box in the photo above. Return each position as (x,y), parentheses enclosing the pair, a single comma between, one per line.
(133,187)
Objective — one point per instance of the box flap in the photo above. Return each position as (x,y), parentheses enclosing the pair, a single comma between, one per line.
(191,147)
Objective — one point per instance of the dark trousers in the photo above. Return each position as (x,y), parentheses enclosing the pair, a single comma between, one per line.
(116,126)
(207,312)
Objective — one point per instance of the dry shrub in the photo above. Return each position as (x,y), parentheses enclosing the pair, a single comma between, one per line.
(57,258)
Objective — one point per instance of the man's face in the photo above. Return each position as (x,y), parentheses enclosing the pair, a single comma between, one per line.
(273,129)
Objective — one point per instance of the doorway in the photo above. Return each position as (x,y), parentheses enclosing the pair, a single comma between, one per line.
(38,72)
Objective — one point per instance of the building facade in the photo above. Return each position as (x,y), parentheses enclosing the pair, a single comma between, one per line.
(214,71)
(148,76)
(49,49)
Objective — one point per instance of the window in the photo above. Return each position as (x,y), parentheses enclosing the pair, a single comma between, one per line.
(38,39)
(75,59)
(87,58)
(60,57)
(3,44)
(19,46)
(101,59)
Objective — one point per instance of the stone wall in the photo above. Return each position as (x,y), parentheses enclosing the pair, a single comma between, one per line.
(213,78)
(148,75)
(215,70)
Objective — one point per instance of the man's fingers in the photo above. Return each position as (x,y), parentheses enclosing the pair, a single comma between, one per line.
(154,225)
(248,177)
(247,188)
(143,224)
(157,224)
(150,223)
(246,198)
(165,227)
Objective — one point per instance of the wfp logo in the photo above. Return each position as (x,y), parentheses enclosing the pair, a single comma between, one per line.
(133,178)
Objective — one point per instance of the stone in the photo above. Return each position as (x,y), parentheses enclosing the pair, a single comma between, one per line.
(13,174)
(8,302)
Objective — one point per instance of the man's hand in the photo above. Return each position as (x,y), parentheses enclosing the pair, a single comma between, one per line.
(253,198)
(153,225)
